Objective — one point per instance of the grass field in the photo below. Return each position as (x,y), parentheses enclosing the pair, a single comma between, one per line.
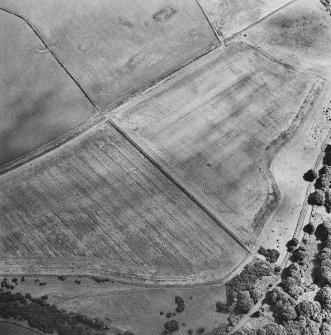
(128,307)
(114,48)
(138,310)
(99,207)
(231,16)
(213,126)
(299,35)
(39,101)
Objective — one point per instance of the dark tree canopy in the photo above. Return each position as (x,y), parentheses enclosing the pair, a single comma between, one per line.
(310,175)
(316,198)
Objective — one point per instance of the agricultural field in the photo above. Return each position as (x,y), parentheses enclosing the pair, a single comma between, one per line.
(98,206)
(215,127)
(39,101)
(299,35)
(144,159)
(229,17)
(115,48)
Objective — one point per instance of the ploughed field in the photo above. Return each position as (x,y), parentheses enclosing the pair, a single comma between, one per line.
(114,48)
(215,125)
(39,101)
(97,206)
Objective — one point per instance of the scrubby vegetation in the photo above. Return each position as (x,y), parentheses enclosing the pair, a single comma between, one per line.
(268,329)
(271,255)
(293,242)
(221,307)
(180,304)
(100,280)
(322,194)
(244,302)
(295,312)
(327,5)
(242,292)
(170,327)
(46,317)
(282,304)
(309,228)
(310,175)
(317,198)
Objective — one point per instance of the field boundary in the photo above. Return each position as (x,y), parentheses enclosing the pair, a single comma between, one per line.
(67,136)
(142,283)
(127,272)
(51,52)
(178,184)
(270,203)
(219,37)
(122,273)
(274,147)
(25,159)
(285,137)
(160,80)
(98,115)
(226,39)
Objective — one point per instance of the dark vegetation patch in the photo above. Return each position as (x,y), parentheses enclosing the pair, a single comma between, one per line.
(269,329)
(164,14)
(46,317)
(322,194)
(170,327)
(309,228)
(271,255)
(221,307)
(316,198)
(242,291)
(293,313)
(100,280)
(298,30)
(180,304)
(327,5)
(125,22)
(310,175)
